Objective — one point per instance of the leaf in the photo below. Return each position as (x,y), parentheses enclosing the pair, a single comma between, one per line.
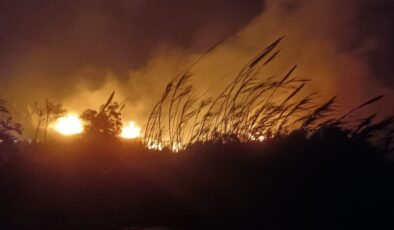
(108,102)
(370,101)
(264,53)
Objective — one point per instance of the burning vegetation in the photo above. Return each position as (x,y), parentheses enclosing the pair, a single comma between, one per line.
(261,153)
(70,124)
(252,107)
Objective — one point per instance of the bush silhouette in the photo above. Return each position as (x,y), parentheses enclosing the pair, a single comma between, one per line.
(107,121)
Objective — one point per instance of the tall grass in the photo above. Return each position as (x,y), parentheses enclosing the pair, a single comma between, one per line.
(250,108)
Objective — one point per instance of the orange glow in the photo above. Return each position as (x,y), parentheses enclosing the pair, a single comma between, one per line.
(130,131)
(257,137)
(155,145)
(68,125)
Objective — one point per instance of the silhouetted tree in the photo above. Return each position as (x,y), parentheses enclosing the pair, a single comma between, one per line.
(106,121)
(7,130)
(45,114)
(52,112)
(39,111)
(7,125)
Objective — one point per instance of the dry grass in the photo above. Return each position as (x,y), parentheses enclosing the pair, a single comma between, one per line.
(250,108)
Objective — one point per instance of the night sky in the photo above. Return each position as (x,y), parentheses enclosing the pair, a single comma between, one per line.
(61,36)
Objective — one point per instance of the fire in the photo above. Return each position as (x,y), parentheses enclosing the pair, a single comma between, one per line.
(69,125)
(155,145)
(130,131)
(176,147)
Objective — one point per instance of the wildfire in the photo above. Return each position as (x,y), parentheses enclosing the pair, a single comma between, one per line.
(130,131)
(155,145)
(176,147)
(69,125)
(257,137)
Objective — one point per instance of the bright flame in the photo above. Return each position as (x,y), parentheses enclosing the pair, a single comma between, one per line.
(130,131)
(257,137)
(69,125)
(176,147)
(155,145)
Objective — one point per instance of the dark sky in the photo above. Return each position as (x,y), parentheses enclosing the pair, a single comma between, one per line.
(376,20)
(55,37)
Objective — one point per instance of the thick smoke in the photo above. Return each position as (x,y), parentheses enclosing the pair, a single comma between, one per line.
(329,40)
(77,53)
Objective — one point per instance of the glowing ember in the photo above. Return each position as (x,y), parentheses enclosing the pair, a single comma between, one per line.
(176,147)
(155,145)
(257,137)
(130,131)
(69,125)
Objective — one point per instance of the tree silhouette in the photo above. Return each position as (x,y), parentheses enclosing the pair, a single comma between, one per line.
(7,125)
(106,121)
(47,113)
(39,111)
(52,112)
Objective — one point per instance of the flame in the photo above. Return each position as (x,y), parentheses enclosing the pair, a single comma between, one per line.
(257,137)
(155,145)
(130,131)
(176,147)
(68,125)
(159,146)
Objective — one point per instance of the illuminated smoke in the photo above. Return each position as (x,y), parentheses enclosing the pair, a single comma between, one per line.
(344,47)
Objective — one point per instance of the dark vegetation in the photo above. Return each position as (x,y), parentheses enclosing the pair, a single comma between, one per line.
(252,106)
(314,168)
(107,121)
(46,113)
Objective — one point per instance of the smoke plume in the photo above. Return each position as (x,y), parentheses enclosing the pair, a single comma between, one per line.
(77,53)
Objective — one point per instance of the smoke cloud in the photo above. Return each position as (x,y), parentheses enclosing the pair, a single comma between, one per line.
(77,53)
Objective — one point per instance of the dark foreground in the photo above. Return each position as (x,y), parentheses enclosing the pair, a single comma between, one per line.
(292,182)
